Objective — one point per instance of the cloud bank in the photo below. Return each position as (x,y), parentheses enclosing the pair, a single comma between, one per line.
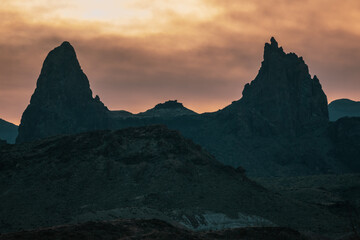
(138,54)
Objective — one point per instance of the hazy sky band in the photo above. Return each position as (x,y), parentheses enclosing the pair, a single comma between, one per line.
(139,53)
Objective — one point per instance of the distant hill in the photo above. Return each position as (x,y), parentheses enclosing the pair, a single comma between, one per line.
(8,131)
(343,108)
(171,108)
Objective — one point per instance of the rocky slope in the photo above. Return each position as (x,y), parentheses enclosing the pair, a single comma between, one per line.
(144,173)
(343,108)
(62,102)
(283,95)
(334,191)
(151,229)
(338,193)
(8,131)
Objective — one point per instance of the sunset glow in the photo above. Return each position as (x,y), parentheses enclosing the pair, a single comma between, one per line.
(200,52)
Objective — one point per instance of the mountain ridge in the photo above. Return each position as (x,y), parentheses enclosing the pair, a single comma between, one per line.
(98,175)
(279,127)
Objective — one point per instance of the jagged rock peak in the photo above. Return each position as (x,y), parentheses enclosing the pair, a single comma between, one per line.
(62,61)
(64,49)
(62,78)
(66,44)
(284,92)
(272,48)
(273,42)
(62,102)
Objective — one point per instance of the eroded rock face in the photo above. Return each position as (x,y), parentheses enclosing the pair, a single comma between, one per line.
(62,102)
(284,93)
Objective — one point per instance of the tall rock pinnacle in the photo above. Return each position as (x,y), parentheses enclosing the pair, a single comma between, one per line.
(62,102)
(284,93)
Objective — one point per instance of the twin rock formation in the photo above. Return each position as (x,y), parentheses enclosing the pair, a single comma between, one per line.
(283,93)
(279,127)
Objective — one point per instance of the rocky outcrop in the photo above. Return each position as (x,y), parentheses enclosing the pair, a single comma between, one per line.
(345,134)
(168,109)
(279,126)
(62,102)
(343,108)
(8,131)
(284,94)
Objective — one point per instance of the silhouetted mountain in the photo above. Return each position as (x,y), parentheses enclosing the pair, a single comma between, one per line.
(288,137)
(151,229)
(62,102)
(139,173)
(167,109)
(8,131)
(279,127)
(343,108)
(283,97)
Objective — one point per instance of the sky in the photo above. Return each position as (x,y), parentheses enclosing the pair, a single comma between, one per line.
(137,53)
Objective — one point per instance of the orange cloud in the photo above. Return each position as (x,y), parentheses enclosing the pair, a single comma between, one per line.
(174,52)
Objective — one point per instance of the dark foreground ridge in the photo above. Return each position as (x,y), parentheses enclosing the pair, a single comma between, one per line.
(149,230)
(147,172)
